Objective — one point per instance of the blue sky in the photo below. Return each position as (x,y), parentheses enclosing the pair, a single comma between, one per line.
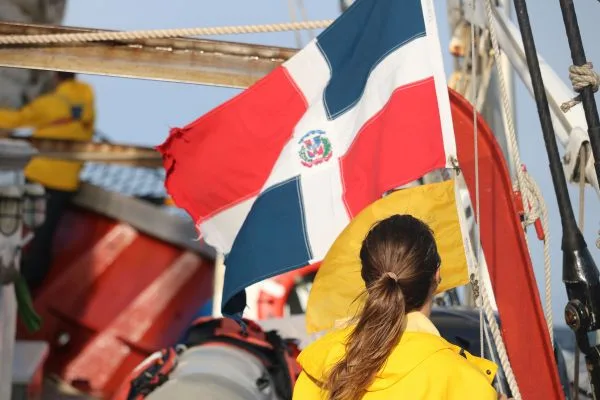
(141,112)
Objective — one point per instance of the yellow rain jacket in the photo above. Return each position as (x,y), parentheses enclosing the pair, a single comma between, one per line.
(67,113)
(423,366)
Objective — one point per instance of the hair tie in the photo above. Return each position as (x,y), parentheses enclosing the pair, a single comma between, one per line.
(392,276)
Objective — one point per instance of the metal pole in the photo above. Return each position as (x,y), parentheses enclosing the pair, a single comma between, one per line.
(587,94)
(580,274)
(218,281)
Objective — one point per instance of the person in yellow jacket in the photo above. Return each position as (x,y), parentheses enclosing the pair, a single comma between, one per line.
(67,113)
(391,350)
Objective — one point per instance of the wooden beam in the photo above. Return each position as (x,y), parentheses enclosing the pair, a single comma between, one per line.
(106,153)
(199,61)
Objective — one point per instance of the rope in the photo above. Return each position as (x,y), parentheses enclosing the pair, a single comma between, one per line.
(581,76)
(534,204)
(540,209)
(482,297)
(497,336)
(160,33)
(534,208)
(485,308)
(480,290)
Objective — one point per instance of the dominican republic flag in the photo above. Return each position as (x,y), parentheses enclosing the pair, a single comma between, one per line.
(275,174)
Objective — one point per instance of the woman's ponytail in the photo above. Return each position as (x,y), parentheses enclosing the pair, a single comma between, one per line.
(369,345)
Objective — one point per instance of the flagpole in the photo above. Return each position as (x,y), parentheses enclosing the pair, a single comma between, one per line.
(218,280)
(580,274)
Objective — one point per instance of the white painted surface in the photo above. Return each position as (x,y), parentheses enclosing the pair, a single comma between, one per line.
(16,155)
(8,314)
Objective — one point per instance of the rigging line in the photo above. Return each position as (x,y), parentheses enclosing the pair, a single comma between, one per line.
(486,67)
(304,14)
(485,309)
(476,147)
(528,200)
(492,356)
(483,295)
(292,11)
(104,36)
(534,206)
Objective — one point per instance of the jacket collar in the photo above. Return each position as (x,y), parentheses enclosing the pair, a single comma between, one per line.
(418,322)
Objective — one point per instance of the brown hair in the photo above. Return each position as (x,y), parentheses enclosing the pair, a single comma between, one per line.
(399,261)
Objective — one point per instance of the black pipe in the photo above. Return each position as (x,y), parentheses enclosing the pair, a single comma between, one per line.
(580,274)
(587,94)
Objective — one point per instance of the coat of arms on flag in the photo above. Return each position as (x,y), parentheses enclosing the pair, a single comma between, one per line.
(315,148)
(359,111)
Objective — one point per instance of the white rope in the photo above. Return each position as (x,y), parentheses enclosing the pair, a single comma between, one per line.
(485,309)
(542,210)
(581,76)
(479,288)
(497,336)
(534,208)
(484,303)
(57,38)
(533,202)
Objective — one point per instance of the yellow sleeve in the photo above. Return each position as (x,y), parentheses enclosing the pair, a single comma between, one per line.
(306,389)
(27,117)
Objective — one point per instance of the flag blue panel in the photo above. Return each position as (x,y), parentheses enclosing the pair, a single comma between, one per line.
(357,41)
(272,240)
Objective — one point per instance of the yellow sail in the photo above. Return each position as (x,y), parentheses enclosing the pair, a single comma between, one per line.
(335,294)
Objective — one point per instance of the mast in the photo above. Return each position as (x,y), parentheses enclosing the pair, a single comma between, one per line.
(580,274)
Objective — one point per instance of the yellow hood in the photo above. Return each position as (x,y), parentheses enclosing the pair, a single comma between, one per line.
(420,342)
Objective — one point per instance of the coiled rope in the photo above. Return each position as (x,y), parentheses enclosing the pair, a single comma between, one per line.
(581,76)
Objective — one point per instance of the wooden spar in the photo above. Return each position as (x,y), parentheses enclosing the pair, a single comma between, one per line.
(199,61)
(107,153)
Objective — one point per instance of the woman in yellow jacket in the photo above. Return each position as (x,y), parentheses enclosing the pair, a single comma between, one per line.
(392,350)
(67,113)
